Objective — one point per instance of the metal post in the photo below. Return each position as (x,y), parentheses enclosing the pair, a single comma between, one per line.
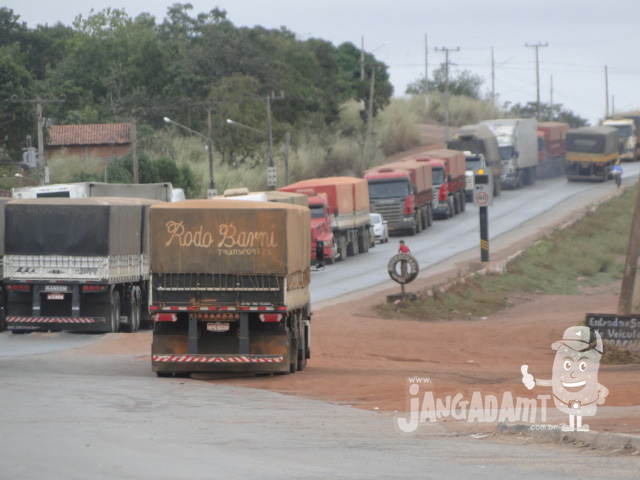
(484,234)
(212,183)
(42,164)
(287,142)
(631,263)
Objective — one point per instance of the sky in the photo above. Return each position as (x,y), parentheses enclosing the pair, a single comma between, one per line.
(581,37)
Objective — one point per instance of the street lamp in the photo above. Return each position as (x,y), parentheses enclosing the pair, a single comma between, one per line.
(271,169)
(212,185)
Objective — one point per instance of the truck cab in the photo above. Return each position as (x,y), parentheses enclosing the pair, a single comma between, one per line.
(476,162)
(391,195)
(627,137)
(321,230)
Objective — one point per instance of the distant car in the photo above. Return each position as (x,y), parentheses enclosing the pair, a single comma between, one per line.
(380,227)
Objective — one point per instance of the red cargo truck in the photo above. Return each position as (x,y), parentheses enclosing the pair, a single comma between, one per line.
(402,193)
(551,148)
(344,203)
(448,171)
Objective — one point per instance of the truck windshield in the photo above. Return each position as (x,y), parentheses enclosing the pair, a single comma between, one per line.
(389,189)
(317,211)
(506,152)
(474,163)
(624,130)
(438,176)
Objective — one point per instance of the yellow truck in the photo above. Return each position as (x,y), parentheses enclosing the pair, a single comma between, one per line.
(591,152)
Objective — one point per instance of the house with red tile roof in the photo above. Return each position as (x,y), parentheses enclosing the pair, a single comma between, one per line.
(107,140)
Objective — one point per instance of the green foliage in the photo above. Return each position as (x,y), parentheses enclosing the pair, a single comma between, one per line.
(461,83)
(463,110)
(556,114)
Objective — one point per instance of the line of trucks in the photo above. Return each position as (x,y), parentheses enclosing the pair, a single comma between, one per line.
(225,282)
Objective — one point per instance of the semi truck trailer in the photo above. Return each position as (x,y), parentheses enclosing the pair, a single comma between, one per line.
(229,286)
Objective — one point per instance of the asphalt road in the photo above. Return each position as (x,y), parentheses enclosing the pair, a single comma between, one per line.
(65,413)
(447,238)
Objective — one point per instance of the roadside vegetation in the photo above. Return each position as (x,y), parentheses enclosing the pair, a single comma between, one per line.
(589,253)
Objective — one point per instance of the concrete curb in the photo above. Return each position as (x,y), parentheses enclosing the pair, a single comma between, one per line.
(599,440)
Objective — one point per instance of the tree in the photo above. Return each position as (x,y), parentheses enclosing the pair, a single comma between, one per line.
(558,115)
(460,83)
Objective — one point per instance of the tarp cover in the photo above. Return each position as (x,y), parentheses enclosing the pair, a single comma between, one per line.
(229,237)
(73,226)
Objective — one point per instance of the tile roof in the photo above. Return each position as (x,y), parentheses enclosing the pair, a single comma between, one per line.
(100,134)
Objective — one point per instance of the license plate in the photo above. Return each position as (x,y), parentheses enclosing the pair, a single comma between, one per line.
(55,288)
(55,296)
(218,327)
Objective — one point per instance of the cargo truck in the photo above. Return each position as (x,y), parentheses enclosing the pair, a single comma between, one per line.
(627,137)
(480,139)
(340,208)
(635,116)
(518,145)
(551,148)
(402,193)
(153,191)
(591,152)
(229,287)
(449,170)
(475,164)
(76,264)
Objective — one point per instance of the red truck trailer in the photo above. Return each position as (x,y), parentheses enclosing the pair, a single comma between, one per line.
(448,171)
(343,202)
(551,148)
(402,193)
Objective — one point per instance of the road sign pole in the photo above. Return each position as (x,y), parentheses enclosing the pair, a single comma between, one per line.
(484,234)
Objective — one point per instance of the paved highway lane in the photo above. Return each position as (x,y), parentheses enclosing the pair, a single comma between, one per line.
(447,238)
(73,416)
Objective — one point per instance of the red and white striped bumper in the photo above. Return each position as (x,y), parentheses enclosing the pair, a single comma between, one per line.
(66,320)
(218,359)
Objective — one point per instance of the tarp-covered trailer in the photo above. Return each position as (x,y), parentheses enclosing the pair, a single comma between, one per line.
(75,264)
(229,286)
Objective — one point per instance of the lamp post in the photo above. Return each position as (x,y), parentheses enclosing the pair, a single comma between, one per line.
(212,185)
(271,170)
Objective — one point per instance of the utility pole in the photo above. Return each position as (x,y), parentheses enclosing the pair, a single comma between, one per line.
(537,47)
(446,88)
(426,65)
(493,79)
(367,141)
(42,161)
(271,169)
(606,92)
(551,101)
(287,142)
(362,58)
(212,184)
(134,144)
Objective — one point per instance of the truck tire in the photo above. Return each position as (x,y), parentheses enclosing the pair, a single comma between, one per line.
(115,311)
(342,249)
(133,323)
(456,204)
(293,353)
(418,222)
(363,241)
(463,201)
(302,346)
(429,215)
(352,246)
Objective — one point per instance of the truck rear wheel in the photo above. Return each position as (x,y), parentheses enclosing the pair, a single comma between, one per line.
(133,320)
(429,215)
(115,311)
(418,222)
(293,354)
(463,201)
